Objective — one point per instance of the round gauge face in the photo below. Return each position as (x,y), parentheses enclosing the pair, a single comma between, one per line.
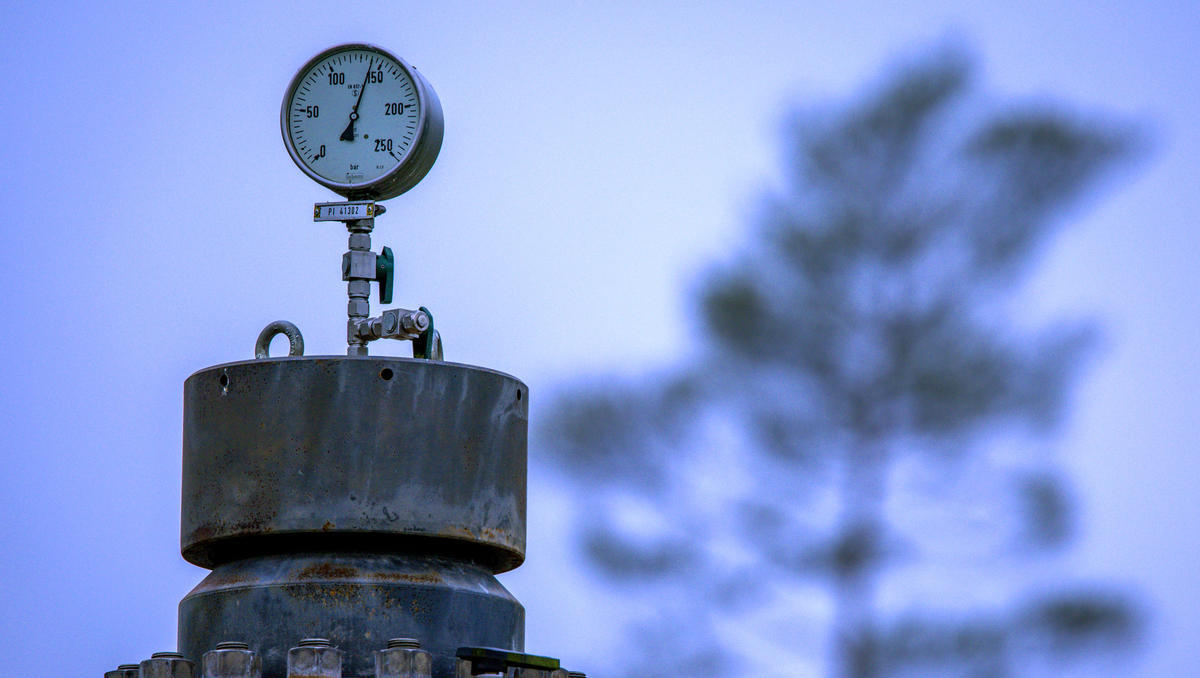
(362,122)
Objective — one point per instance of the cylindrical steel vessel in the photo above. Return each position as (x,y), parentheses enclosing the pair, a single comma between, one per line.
(355,499)
(357,601)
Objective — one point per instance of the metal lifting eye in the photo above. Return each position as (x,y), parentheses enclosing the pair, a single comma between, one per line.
(262,347)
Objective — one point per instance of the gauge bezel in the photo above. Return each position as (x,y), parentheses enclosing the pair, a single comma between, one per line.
(415,164)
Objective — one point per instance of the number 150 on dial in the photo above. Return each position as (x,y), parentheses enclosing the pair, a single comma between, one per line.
(362,122)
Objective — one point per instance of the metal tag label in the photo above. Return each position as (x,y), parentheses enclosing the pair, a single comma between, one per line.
(344,211)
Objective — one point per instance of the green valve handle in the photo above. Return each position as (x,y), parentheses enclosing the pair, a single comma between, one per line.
(385,273)
(428,346)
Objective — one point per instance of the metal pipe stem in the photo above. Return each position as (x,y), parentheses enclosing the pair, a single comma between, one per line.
(358,288)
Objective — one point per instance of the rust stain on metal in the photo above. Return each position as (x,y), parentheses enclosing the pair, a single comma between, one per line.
(223,578)
(431,577)
(327,571)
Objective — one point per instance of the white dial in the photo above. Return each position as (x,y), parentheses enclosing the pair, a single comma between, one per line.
(362,122)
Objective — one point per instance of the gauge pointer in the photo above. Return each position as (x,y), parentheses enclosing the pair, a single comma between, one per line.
(348,133)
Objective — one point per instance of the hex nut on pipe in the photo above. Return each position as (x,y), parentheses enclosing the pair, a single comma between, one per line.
(358,265)
(403,658)
(231,660)
(167,665)
(415,321)
(314,658)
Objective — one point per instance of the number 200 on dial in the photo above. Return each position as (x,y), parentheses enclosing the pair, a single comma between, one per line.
(362,122)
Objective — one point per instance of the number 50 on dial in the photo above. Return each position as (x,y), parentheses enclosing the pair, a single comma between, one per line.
(362,122)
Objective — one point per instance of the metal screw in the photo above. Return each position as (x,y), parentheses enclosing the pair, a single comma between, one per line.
(315,642)
(404,642)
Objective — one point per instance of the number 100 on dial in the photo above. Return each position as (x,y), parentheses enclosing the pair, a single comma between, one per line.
(361,122)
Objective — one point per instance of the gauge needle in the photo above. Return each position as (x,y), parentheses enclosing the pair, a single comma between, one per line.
(348,133)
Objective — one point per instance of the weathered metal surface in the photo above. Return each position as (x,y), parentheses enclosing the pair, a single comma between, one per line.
(354,454)
(357,601)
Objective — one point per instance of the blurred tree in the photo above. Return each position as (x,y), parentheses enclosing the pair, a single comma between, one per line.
(844,422)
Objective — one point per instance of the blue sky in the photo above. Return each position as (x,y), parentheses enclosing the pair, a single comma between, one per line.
(596,155)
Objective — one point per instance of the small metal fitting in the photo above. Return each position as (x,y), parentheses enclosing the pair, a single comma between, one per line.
(358,288)
(314,658)
(360,241)
(414,322)
(401,323)
(362,225)
(231,660)
(403,658)
(166,665)
(397,323)
(357,265)
(123,671)
(388,325)
(358,308)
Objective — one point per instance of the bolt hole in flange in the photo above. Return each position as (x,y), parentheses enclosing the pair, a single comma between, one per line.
(385,374)
(518,395)
(224,381)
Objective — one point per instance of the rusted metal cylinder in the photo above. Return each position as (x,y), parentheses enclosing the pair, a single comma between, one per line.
(357,601)
(343,454)
(354,499)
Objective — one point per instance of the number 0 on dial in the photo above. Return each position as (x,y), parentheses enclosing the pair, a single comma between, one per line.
(362,122)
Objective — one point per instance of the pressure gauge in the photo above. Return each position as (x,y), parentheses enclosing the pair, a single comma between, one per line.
(362,122)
